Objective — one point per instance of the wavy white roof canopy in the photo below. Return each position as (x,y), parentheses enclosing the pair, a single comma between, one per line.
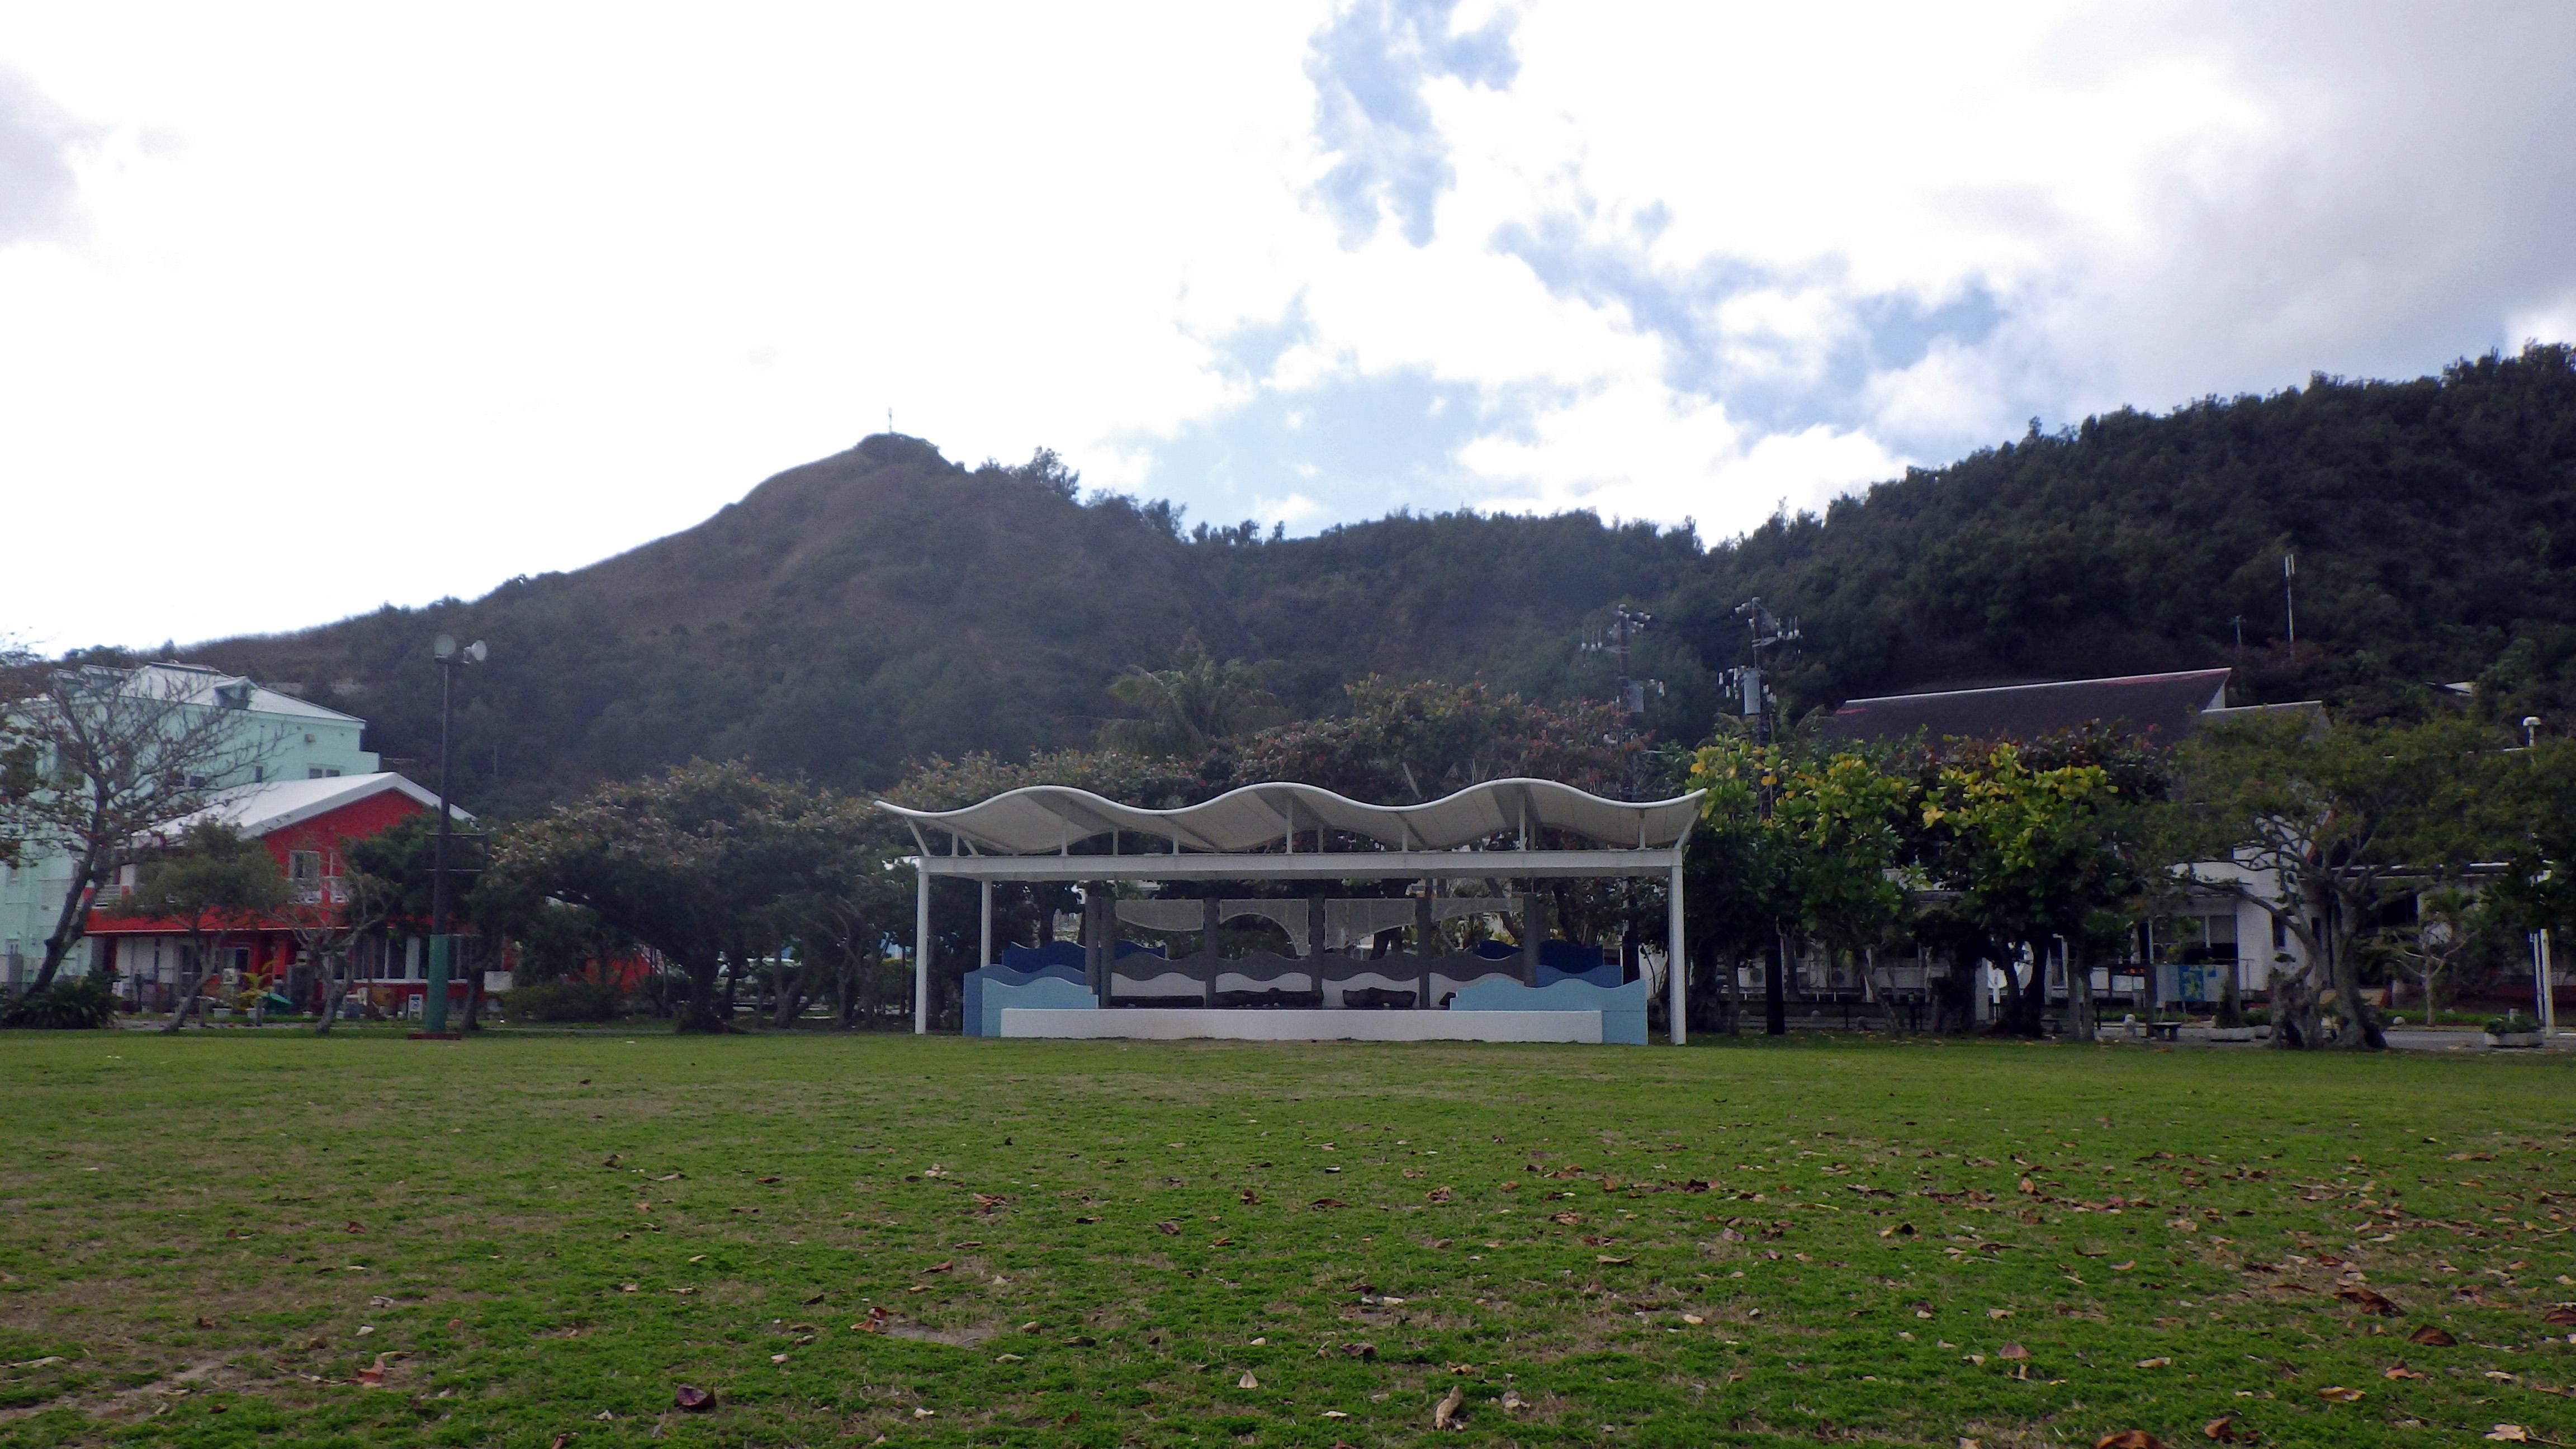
(1046,819)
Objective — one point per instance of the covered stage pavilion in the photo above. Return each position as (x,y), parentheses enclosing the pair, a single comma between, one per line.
(1519,830)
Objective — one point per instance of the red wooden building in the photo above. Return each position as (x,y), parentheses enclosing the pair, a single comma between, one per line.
(308,825)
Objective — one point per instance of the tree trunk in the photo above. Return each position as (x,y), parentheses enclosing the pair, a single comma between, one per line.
(2079,998)
(192,981)
(2360,1031)
(793,996)
(700,1012)
(335,989)
(2295,1024)
(72,922)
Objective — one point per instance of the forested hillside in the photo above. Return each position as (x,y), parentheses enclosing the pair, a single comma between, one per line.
(886,604)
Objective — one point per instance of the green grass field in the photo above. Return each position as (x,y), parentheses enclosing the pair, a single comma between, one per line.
(228,1238)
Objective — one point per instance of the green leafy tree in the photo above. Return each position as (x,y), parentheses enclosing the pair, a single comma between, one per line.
(2449,922)
(2349,821)
(2040,846)
(1827,861)
(1404,743)
(1187,708)
(694,862)
(212,883)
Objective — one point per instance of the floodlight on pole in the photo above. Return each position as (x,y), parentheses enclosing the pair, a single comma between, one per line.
(433,1012)
(1770,635)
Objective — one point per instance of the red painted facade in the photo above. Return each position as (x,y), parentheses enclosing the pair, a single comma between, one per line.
(270,942)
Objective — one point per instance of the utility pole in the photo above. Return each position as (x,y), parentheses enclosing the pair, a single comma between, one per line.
(1752,686)
(1625,625)
(2289,595)
(433,1013)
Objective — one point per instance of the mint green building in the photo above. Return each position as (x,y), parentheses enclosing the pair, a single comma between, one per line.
(285,738)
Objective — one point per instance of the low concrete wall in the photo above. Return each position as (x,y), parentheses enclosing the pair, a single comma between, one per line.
(1176,1023)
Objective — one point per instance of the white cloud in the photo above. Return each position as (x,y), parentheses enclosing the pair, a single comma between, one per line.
(522,289)
(1293,510)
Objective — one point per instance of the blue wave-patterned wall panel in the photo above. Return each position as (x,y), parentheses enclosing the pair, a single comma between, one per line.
(1028,960)
(1045,991)
(1622,1007)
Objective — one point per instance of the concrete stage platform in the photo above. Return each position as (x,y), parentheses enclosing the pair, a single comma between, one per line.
(1256,1024)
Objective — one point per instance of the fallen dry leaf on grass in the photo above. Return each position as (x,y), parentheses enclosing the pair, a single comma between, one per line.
(1565,1220)
(1513,1403)
(942,1267)
(2564,1316)
(2155,1363)
(2223,1430)
(2509,1434)
(692,1398)
(1437,1194)
(2399,1370)
(2129,1439)
(1247,1381)
(1322,1203)
(1359,1350)
(2340,1395)
(2012,1351)
(2369,1301)
(1168,1229)
(2432,1337)
(1444,1415)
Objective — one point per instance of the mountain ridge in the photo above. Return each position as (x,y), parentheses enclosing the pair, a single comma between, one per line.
(886,604)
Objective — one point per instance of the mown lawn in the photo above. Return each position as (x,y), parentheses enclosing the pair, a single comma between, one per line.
(207,1241)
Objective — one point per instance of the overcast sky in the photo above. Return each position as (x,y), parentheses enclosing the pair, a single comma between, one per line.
(303,312)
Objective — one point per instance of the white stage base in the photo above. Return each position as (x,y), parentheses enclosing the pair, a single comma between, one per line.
(1264,1024)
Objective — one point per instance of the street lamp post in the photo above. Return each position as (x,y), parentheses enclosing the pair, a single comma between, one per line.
(450,659)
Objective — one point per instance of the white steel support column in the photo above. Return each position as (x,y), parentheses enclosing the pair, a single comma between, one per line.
(1676,960)
(984,938)
(921,951)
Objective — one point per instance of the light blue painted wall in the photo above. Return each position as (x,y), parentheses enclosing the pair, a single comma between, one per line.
(298,740)
(1622,1008)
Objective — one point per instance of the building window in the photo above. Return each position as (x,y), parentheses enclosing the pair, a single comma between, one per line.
(319,773)
(258,774)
